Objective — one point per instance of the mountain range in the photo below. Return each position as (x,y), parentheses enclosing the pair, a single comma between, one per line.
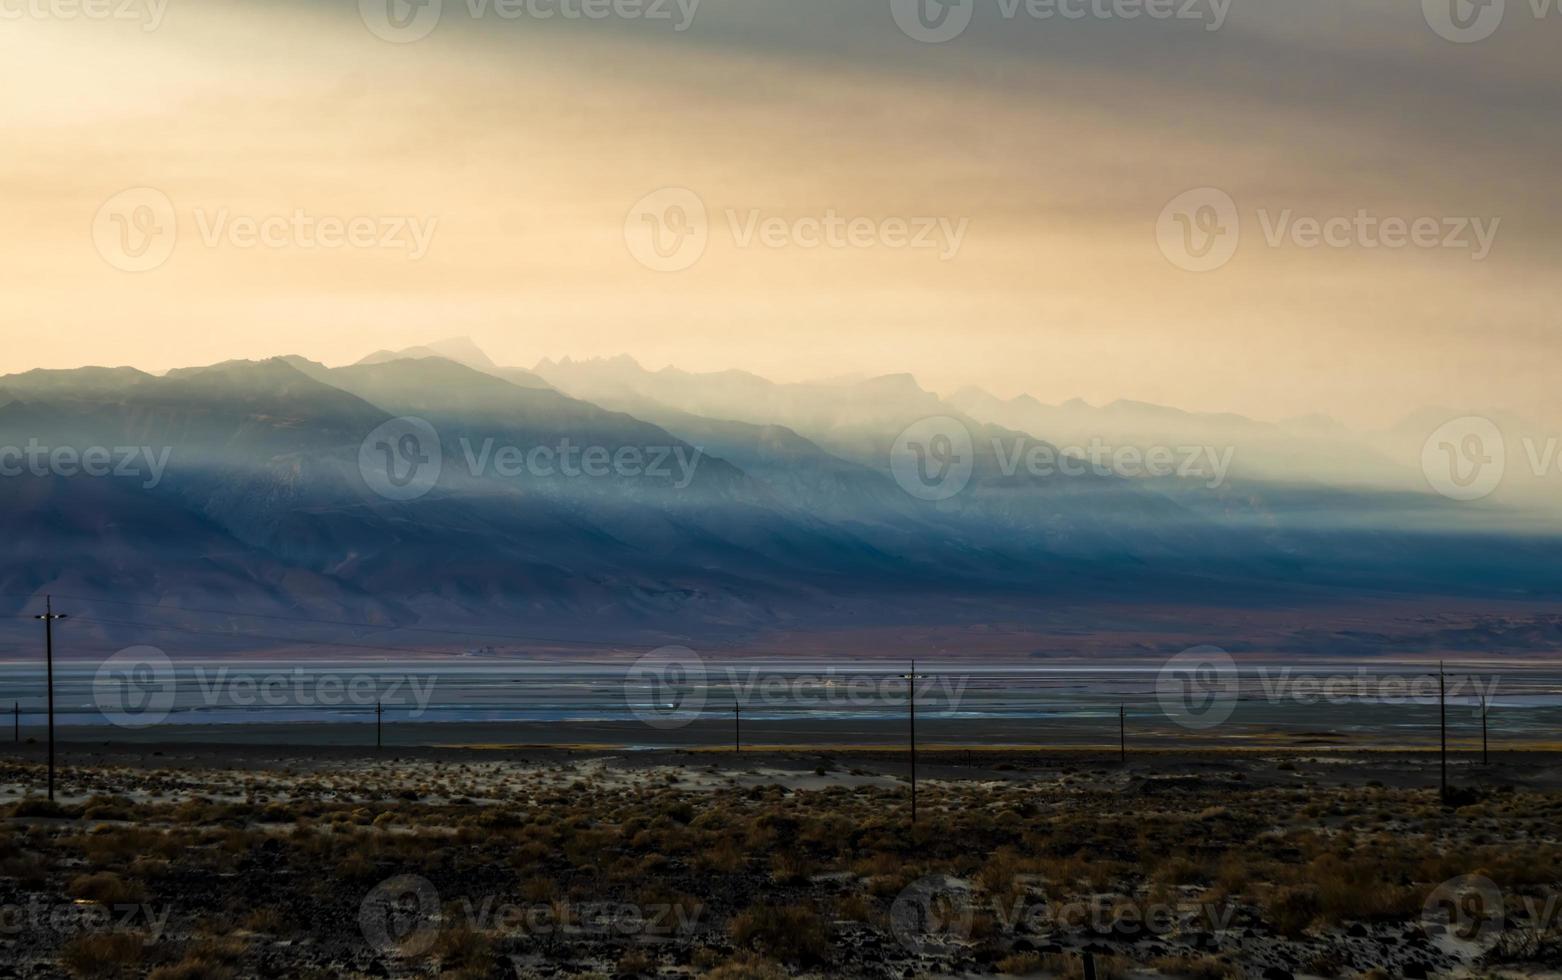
(584,505)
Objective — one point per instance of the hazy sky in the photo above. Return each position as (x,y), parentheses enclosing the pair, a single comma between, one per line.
(512,170)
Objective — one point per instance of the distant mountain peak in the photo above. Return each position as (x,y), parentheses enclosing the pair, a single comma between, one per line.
(1130,405)
(462,350)
(898,383)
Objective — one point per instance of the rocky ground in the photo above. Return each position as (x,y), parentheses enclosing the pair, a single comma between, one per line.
(184,862)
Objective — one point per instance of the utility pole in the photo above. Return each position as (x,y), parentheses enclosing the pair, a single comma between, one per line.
(1442,721)
(1122,733)
(1483,726)
(48,617)
(737,728)
(378,728)
(16,712)
(911,700)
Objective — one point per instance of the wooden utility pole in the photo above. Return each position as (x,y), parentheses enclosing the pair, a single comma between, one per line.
(737,728)
(378,726)
(48,617)
(1442,722)
(1122,732)
(1483,727)
(911,701)
(16,713)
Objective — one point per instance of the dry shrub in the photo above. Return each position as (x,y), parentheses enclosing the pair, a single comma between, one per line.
(747,967)
(1197,968)
(793,932)
(106,887)
(102,955)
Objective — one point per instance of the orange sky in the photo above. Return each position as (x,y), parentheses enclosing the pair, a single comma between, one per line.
(490,174)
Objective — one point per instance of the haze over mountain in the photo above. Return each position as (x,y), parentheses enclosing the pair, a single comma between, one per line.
(770,508)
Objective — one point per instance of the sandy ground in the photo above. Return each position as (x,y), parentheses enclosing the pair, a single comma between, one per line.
(798,767)
(452,779)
